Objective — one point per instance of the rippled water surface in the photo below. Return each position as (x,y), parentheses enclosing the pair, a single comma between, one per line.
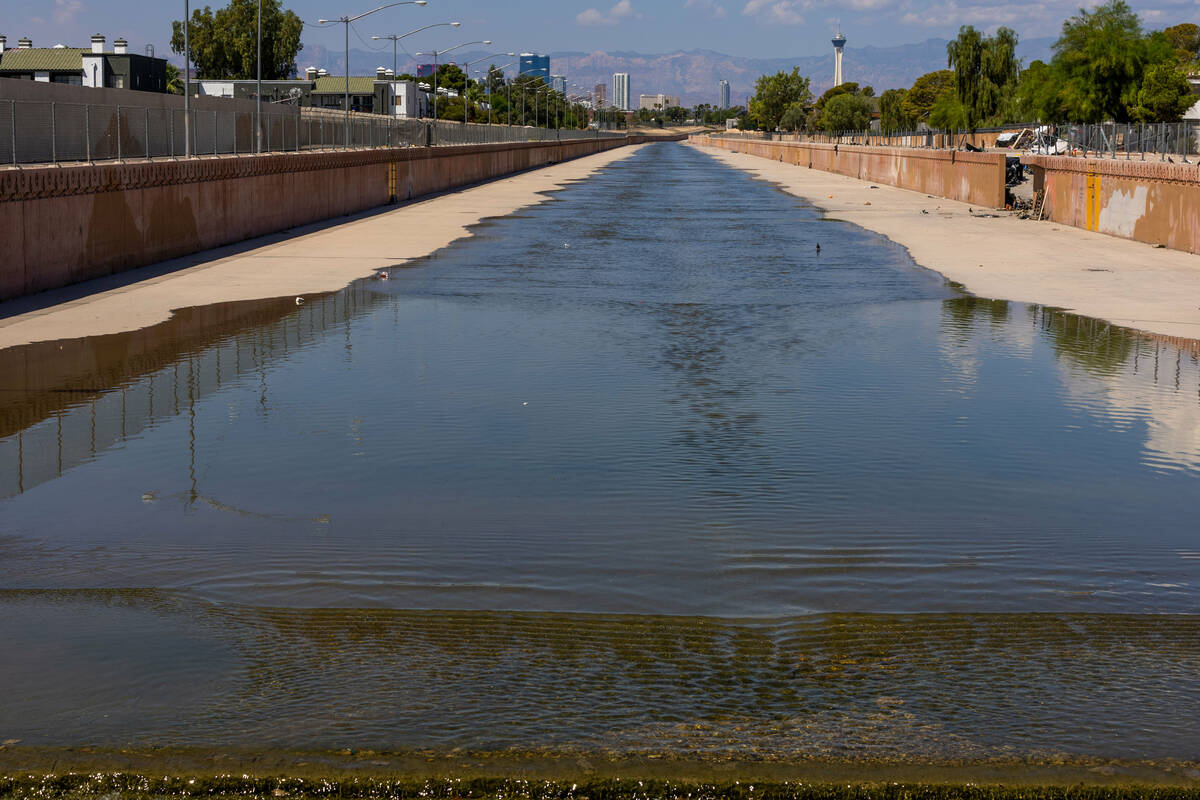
(638,468)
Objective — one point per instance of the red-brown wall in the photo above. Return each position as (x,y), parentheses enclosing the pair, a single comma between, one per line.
(65,224)
(1152,202)
(976,178)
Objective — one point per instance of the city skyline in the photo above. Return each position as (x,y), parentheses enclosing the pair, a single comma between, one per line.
(780,28)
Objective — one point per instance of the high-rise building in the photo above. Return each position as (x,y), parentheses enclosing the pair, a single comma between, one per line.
(839,44)
(559,83)
(536,65)
(650,102)
(600,96)
(723,94)
(620,98)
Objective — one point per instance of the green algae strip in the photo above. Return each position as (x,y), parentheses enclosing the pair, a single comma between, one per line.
(31,772)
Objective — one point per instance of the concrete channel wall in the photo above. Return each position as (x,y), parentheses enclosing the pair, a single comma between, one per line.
(1148,201)
(65,224)
(976,178)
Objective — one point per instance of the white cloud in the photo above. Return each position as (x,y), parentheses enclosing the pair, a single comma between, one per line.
(781,12)
(622,10)
(65,10)
(711,6)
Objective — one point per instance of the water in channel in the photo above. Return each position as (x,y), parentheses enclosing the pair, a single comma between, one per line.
(638,469)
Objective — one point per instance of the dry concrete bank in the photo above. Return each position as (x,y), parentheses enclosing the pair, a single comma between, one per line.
(313,260)
(999,256)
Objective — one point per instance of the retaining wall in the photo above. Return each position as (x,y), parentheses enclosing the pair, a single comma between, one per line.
(976,178)
(1152,202)
(65,224)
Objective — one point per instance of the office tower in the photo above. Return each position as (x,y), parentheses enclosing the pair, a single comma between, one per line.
(620,98)
(723,94)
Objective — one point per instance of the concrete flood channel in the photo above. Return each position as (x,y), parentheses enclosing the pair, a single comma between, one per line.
(634,485)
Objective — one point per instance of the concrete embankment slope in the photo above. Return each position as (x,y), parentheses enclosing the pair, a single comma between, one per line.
(319,258)
(61,225)
(1000,256)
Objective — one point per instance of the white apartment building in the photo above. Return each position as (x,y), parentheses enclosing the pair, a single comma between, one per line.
(620,93)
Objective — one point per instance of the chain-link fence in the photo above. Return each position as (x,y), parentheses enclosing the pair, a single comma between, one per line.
(49,132)
(1163,140)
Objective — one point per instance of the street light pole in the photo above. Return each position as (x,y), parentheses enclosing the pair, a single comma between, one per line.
(258,89)
(435,54)
(187,83)
(346,22)
(467,71)
(396,38)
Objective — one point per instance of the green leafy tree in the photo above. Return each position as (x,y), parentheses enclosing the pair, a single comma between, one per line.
(948,113)
(893,116)
(985,72)
(1101,58)
(794,118)
(1038,95)
(1185,41)
(925,91)
(224,43)
(174,79)
(846,112)
(1164,96)
(849,87)
(451,76)
(773,94)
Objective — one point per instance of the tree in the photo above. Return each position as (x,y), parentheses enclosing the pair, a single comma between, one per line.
(985,72)
(1100,59)
(1164,96)
(925,91)
(846,112)
(174,79)
(794,118)
(1185,41)
(948,113)
(892,114)
(224,44)
(773,94)
(1038,96)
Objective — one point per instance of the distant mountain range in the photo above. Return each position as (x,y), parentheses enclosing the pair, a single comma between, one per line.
(693,75)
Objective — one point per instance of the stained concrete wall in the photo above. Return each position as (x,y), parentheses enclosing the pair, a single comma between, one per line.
(976,178)
(65,224)
(1152,202)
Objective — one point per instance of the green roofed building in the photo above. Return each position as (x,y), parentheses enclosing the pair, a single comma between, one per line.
(381,94)
(97,67)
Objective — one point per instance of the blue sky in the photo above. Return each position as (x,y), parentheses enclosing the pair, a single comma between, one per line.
(767,28)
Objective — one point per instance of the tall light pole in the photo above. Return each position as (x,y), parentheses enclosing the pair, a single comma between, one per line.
(187,83)
(436,54)
(346,22)
(258,88)
(394,39)
(467,70)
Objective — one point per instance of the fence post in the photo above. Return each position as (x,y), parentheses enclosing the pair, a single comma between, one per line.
(53,133)
(13,120)
(87,130)
(147,131)
(171,132)
(118,133)
(214,133)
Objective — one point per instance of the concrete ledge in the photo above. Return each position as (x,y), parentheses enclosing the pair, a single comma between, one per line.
(1147,201)
(976,178)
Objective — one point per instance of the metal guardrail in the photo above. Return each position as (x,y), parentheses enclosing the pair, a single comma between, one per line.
(1143,141)
(35,132)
